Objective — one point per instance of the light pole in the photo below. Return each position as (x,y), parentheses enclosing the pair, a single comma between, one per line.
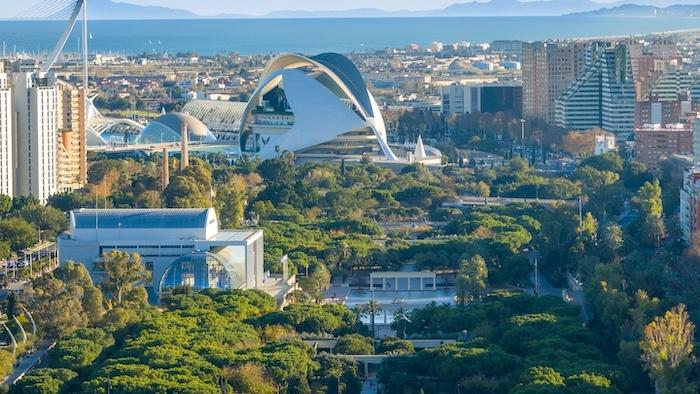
(537,279)
(522,138)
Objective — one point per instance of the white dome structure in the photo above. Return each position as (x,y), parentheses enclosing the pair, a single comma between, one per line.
(169,127)
(316,106)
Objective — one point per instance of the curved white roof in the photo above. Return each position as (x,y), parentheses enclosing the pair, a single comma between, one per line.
(328,98)
(168,127)
(217,115)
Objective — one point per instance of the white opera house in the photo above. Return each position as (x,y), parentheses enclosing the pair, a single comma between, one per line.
(317,107)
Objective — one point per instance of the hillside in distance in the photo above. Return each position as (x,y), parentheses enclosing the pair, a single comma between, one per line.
(635,10)
(109,9)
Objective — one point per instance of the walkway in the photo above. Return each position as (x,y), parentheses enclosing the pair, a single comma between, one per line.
(369,386)
(27,362)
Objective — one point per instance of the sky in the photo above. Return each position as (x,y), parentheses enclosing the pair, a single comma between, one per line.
(261,7)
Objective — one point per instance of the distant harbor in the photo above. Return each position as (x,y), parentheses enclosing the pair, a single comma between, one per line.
(265,36)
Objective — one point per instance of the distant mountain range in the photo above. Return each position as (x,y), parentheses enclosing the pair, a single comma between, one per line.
(111,9)
(679,10)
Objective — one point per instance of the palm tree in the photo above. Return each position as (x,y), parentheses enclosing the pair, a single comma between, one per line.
(400,322)
(373,308)
(360,311)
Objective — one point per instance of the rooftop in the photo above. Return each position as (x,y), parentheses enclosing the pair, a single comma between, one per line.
(140,218)
(234,235)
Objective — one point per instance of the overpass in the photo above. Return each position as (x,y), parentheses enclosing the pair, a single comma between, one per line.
(329,344)
(476,201)
(375,359)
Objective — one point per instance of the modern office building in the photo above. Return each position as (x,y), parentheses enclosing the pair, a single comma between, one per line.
(71,145)
(179,247)
(6,145)
(508,47)
(549,68)
(35,106)
(315,107)
(489,98)
(603,97)
(656,142)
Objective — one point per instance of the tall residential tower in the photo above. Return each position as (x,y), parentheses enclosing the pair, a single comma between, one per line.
(6,147)
(71,144)
(548,69)
(35,104)
(603,97)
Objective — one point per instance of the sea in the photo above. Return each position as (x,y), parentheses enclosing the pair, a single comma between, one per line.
(310,36)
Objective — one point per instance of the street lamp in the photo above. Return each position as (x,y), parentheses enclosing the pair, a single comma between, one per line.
(522,138)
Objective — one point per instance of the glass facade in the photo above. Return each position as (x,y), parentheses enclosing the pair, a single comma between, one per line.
(224,269)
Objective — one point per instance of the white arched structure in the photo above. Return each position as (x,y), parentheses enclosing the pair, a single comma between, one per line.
(315,105)
(77,7)
(98,124)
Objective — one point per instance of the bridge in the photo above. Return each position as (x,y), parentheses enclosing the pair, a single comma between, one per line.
(375,359)
(158,147)
(329,343)
(476,201)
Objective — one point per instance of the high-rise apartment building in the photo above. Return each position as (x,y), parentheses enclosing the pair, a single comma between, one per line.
(603,97)
(649,60)
(6,147)
(35,105)
(669,99)
(690,203)
(548,69)
(42,133)
(71,144)
(656,142)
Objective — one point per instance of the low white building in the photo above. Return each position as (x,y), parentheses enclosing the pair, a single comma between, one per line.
(179,247)
(604,143)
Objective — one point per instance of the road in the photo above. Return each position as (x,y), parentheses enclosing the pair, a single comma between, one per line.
(574,289)
(27,362)
(546,287)
(579,296)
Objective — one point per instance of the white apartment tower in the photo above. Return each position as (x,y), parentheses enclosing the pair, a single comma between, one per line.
(6,151)
(35,101)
